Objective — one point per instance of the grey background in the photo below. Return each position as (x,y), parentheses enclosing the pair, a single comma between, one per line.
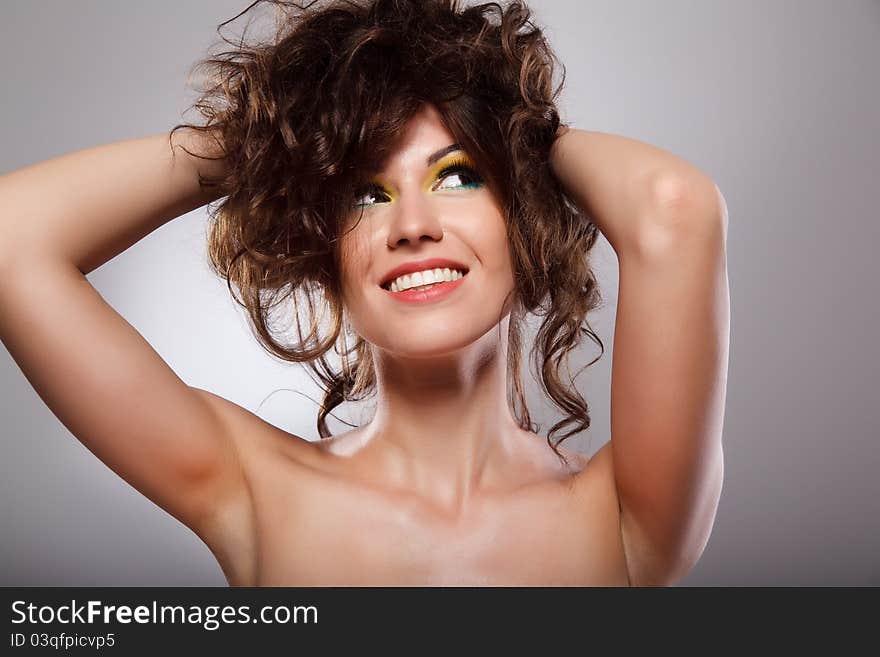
(778,101)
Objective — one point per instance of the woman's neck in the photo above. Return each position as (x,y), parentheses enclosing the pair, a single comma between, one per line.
(443,425)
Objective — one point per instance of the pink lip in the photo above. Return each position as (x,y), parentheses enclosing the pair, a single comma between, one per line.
(439,291)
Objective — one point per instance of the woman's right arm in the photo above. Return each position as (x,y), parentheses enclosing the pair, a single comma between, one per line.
(59,220)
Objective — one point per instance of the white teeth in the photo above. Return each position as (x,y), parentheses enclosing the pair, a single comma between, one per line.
(427,277)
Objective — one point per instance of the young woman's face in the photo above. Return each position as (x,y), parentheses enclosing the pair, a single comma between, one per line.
(422,207)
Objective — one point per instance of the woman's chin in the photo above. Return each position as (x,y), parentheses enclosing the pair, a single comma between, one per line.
(436,342)
(424,347)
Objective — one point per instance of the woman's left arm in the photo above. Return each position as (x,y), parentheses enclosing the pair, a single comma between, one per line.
(667,222)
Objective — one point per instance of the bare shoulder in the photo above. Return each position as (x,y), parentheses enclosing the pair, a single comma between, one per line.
(230,532)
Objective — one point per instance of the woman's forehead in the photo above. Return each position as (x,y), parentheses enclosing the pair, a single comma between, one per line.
(421,141)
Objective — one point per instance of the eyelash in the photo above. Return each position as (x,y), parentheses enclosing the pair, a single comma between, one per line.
(454,166)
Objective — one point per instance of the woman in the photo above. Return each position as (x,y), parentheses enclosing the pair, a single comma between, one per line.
(399,169)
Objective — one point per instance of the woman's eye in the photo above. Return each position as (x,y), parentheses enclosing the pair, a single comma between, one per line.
(467,177)
(372,191)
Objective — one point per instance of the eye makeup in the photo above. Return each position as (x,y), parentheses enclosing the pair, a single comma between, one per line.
(459,165)
(456,163)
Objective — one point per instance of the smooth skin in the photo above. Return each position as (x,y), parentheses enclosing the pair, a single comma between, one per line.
(441,487)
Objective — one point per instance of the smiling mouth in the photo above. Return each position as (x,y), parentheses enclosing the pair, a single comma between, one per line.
(387,286)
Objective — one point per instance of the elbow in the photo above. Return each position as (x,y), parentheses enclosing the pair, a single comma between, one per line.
(683,209)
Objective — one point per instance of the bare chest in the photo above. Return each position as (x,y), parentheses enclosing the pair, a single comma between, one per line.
(311,529)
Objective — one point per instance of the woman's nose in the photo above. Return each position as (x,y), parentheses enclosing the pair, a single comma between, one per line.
(413,217)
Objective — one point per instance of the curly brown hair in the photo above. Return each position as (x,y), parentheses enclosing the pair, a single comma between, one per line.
(304,120)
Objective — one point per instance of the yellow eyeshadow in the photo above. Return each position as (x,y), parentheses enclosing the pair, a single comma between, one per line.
(455,157)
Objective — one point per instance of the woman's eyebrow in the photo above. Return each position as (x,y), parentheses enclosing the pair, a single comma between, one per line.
(443,151)
(433,157)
